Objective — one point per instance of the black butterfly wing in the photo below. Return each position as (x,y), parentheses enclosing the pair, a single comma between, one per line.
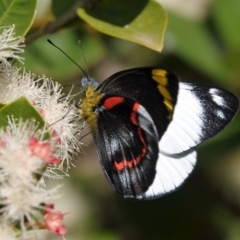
(127,147)
(132,144)
(128,151)
(200,113)
(169,124)
(155,89)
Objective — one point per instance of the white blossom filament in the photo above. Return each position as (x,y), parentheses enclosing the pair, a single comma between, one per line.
(10,46)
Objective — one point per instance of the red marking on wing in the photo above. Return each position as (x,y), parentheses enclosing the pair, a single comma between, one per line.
(119,166)
(112,101)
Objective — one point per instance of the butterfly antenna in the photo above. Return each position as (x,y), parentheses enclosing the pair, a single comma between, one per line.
(68,57)
(85,62)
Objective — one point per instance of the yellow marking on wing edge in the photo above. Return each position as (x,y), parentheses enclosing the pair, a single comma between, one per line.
(159,72)
(161,80)
(164,92)
(168,104)
(160,76)
(88,104)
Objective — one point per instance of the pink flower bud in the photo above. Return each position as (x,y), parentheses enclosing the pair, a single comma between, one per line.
(43,151)
(53,221)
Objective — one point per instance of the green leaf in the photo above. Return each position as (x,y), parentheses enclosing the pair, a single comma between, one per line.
(18,12)
(20,109)
(142,21)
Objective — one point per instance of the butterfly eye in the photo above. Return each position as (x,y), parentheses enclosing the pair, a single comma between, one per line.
(84,82)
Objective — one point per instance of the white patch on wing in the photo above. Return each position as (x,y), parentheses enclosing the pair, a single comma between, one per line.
(200,113)
(218,100)
(114,145)
(185,129)
(213,91)
(170,174)
(220,114)
(142,111)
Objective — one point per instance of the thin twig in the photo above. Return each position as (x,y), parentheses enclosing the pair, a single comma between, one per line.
(65,18)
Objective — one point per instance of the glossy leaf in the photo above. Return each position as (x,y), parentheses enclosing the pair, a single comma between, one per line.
(20,109)
(142,21)
(18,12)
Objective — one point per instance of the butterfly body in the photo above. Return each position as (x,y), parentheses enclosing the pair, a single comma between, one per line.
(146,125)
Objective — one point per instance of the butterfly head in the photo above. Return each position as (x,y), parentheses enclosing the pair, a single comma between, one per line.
(87,82)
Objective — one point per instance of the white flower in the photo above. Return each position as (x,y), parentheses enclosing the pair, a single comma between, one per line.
(7,232)
(63,119)
(22,202)
(10,46)
(15,84)
(16,158)
(23,157)
(25,153)
(46,96)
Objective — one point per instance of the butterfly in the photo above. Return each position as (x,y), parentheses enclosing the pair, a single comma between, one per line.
(146,125)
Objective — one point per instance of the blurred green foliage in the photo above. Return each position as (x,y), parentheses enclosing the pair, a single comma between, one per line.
(205,49)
